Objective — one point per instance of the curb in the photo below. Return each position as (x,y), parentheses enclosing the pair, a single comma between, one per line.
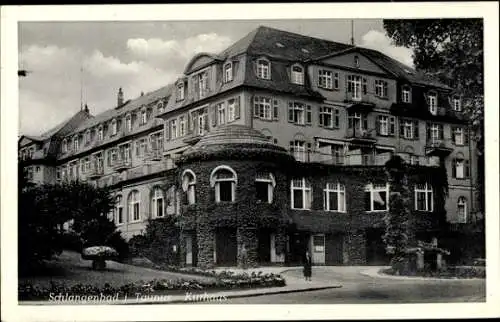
(417,278)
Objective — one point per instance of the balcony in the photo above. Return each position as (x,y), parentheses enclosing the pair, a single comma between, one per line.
(147,169)
(122,164)
(360,136)
(154,155)
(426,161)
(95,172)
(352,158)
(440,148)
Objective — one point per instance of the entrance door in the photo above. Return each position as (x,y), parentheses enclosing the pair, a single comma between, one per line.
(226,247)
(375,248)
(264,246)
(318,248)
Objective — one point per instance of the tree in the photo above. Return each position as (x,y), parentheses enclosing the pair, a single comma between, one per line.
(452,51)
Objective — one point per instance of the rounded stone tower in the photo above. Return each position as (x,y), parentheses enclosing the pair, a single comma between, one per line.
(234,188)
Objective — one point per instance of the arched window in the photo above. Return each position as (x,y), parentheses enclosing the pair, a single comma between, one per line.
(297,75)
(224,179)
(134,204)
(160,107)
(171,200)
(157,203)
(119,210)
(188,185)
(263,68)
(264,185)
(462,210)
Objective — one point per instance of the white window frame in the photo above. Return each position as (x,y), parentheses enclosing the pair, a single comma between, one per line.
(425,189)
(262,107)
(228,72)
(459,165)
(144,117)
(356,82)
(118,208)
(325,78)
(457,104)
(128,122)
(64,147)
(231,111)
(331,112)
(88,137)
(406,94)
(173,129)
(297,77)
(182,126)
(408,129)
(114,127)
(215,182)
(299,113)
(161,107)
(374,189)
(180,91)
(435,130)
(381,88)
(158,194)
(432,101)
(263,68)
(299,150)
(132,202)
(189,186)
(383,124)
(271,183)
(338,189)
(305,187)
(221,113)
(458,133)
(100,133)
(76,143)
(462,203)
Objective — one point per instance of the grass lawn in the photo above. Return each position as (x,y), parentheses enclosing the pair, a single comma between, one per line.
(71,269)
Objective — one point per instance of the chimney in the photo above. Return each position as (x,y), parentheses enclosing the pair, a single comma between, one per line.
(120,97)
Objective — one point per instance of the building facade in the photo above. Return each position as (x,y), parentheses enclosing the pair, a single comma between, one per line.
(323,103)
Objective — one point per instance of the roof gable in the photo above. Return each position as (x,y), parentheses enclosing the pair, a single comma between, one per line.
(347,59)
(200,60)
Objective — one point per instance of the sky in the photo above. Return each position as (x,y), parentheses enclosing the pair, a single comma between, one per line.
(140,57)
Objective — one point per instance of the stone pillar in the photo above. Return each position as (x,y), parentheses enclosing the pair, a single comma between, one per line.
(206,242)
(248,238)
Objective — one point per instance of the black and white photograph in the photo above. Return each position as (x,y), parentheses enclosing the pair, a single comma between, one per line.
(165,162)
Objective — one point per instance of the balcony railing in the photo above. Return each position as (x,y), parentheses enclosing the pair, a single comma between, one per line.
(122,164)
(154,155)
(438,147)
(361,136)
(95,172)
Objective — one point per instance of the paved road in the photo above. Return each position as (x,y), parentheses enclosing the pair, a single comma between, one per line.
(358,288)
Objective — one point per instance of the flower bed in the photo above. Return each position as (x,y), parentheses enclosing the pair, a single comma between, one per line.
(27,291)
(461,272)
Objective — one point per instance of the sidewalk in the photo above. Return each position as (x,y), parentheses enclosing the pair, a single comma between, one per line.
(375,273)
(293,284)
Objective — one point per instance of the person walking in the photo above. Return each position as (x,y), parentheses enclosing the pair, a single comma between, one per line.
(307,266)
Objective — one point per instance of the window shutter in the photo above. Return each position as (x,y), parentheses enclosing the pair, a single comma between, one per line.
(349,84)
(290,112)
(308,114)
(365,122)
(401,128)
(392,125)
(256,112)
(415,130)
(237,110)
(377,125)
(467,169)
(214,115)
(454,168)
(364,85)
(275,109)
(320,117)
(207,124)
(441,132)
(337,117)
(189,125)
(169,130)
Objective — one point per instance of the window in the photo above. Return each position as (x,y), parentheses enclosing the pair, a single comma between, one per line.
(157,202)
(141,147)
(201,84)
(188,185)
(180,91)
(381,88)
(354,86)
(334,197)
(327,79)
(457,104)
(262,107)
(224,179)
(432,102)
(58,174)
(76,144)
(228,72)
(29,171)
(221,113)
(87,165)
(376,197)
(406,94)
(299,113)
(297,75)
(263,69)
(119,210)
(233,109)
(386,125)
(114,127)
(409,129)
(64,146)
(264,186)
(460,168)
(173,129)
(182,126)
(144,117)
(329,117)
(301,194)
(134,206)
(462,210)
(37,169)
(128,122)
(202,121)
(356,61)
(100,133)
(458,135)
(357,121)
(161,107)
(156,141)
(435,132)
(298,148)
(88,137)
(424,200)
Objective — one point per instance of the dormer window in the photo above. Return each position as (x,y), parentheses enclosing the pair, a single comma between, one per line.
(263,69)
(144,117)
(432,103)
(356,61)
(406,94)
(297,75)
(180,91)
(457,104)
(64,146)
(160,107)
(100,133)
(128,122)
(114,127)
(228,72)
(88,138)
(76,143)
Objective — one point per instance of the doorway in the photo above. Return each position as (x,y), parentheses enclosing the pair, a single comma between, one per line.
(226,246)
